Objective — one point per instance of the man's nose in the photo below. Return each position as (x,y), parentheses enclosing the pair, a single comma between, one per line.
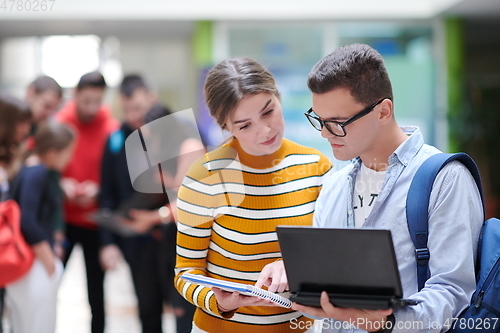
(326,133)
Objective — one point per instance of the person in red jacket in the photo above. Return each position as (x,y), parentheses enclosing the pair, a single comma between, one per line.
(92,123)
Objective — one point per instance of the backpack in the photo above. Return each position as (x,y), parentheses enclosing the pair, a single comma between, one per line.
(484,310)
(16,256)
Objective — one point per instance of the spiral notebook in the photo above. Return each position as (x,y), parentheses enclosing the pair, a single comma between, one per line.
(245,289)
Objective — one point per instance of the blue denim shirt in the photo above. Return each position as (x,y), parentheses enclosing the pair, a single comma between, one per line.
(455,219)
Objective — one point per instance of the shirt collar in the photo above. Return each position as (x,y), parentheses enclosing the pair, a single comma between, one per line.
(405,153)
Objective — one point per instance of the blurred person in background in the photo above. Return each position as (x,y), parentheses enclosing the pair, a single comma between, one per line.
(32,299)
(23,127)
(43,96)
(11,113)
(150,252)
(24,124)
(92,123)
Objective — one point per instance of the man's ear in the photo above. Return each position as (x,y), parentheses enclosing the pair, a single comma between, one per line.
(386,112)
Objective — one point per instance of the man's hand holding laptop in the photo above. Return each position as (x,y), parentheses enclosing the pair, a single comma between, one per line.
(274,277)
(368,319)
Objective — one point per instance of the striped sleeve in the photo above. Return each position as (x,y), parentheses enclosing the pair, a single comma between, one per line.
(195,219)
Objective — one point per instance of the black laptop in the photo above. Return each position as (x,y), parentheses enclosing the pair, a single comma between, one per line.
(356,267)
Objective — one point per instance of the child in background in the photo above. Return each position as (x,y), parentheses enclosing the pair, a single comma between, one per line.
(32,299)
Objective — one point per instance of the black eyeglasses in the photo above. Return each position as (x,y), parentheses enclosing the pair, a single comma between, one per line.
(335,127)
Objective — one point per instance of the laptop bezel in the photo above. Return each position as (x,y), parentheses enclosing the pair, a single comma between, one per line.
(306,234)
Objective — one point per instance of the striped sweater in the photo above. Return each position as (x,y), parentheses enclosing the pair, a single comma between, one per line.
(228,208)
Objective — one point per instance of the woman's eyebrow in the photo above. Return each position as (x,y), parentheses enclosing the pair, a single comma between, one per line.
(245,120)
(266,105)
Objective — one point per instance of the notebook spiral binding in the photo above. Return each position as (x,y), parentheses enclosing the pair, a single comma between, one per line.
(245,289)
(286,303)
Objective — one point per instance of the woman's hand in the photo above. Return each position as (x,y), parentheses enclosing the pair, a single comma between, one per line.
(228,302)
(44,253)
(273,276)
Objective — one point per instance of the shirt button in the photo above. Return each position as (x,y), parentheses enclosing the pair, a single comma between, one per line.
(350,212)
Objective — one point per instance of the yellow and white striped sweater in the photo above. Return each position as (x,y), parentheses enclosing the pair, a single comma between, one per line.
(228,208)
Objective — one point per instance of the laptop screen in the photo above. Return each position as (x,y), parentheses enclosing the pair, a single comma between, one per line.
(340,261)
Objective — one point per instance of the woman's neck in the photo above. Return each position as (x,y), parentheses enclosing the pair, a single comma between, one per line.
(262,161)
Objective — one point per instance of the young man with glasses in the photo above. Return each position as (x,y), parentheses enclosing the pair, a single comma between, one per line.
(371,192)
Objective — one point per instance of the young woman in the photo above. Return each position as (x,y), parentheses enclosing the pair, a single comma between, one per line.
(32,299)
(12,130)
(233,198)
(10,114)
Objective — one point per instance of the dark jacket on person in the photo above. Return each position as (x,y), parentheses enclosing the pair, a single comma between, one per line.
(117,193)
(36,190)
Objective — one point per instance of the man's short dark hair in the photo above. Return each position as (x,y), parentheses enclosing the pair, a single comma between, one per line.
(157,111)
(91,80)
(131,83)
(358,68)
(46,83)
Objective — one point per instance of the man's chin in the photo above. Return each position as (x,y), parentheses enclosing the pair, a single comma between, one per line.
(341,157)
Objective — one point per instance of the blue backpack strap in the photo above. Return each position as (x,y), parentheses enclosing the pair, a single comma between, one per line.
(417,204)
